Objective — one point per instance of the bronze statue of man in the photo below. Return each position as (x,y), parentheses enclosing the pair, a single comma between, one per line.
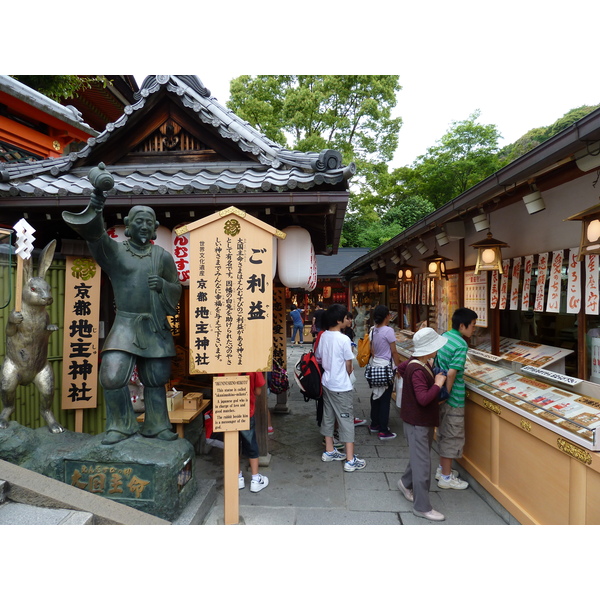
(146,290)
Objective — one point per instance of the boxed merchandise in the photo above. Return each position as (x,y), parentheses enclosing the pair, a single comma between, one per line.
(192,400)
(174,400)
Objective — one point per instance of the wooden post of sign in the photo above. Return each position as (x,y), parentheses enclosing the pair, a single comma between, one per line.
(230,477)
(79,420)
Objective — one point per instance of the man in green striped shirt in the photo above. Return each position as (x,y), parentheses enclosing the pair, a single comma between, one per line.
(451,431)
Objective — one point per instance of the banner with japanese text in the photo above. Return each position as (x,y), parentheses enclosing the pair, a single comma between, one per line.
(516,279)
(553,300)
(231,293)
(542,273)
(527,271)
(494,289)
(476,296)
(80,340)
(504,283)
(591,284)
(574,282)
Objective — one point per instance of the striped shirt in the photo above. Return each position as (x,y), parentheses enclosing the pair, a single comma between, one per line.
(452,355)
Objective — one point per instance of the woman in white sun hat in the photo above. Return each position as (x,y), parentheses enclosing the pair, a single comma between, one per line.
(420,413)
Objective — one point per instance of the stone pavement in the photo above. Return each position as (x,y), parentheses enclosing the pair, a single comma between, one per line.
(303,490)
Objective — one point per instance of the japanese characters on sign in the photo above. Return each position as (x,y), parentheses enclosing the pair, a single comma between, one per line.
(181,256)
(516,279)
(476,296)
(123,481)
(591,284)
(504,283)
(553,300)
(231,293)
(574,282)
(542,271)
(80,341)
(528,268)
(279,337)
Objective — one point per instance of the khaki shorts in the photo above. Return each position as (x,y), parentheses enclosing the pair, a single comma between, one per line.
(337,406)
(451,431)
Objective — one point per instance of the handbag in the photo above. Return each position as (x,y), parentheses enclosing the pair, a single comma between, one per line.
(278,379)
(398,386)
(379,375)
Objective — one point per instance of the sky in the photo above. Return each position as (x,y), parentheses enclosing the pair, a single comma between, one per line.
(523,64)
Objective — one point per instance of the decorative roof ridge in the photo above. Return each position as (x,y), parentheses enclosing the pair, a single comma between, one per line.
(68,114)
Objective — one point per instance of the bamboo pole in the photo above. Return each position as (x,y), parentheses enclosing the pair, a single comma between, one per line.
(19,285)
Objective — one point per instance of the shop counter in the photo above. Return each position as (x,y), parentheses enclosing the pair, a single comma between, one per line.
(532,443)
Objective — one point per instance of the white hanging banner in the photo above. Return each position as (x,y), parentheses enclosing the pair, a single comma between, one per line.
(553,301)
(516,278)
(528,268)
(541,282)
(494,290)
(574,283)
(591,284)
(504,283)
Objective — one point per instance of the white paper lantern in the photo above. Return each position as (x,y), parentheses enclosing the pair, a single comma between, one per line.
(294,259)
(180,247)
(312,280)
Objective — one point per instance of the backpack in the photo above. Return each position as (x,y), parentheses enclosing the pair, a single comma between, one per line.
(307,374)
(277,379)
(363,354)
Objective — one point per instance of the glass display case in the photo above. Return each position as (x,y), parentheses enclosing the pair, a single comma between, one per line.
(559,403)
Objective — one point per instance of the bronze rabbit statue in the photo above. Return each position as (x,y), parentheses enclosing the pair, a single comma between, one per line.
(27,335)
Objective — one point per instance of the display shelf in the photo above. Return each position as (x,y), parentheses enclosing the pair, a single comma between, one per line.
(530,353)
(569,413)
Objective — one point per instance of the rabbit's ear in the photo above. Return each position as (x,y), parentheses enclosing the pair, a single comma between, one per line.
(46,257)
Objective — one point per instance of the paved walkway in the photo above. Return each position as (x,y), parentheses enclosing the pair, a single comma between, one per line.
(303,490)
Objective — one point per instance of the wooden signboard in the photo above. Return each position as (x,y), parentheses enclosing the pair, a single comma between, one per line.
(80,341)
(231,309)
(231,403)
(231,293)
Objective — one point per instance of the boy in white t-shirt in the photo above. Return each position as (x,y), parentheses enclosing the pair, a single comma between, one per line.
(334,352)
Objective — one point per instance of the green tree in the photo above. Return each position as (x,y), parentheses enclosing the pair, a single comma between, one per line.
(60,87)
(534,137)
(348,113)
(465,155)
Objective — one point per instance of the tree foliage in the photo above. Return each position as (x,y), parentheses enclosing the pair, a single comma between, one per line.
(348,113)
(465,155)
(535,137)
(60,87)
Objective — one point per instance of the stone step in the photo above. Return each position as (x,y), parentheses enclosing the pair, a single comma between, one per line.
(14,513)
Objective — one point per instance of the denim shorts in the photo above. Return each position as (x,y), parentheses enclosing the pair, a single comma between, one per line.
(248,441)
(451,431)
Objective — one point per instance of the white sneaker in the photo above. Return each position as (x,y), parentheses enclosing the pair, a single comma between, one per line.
(241,483)
(432,515)
(438,473)
(354,464)
(335,455)
(258,484)
(453,483)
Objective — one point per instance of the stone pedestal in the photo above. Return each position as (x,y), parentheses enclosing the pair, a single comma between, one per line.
(150,475)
